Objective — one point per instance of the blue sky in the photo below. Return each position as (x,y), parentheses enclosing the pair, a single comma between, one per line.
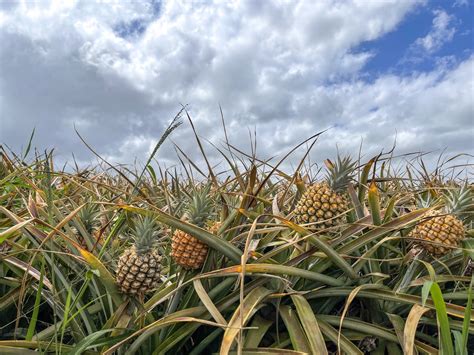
(393,51)
(371,71)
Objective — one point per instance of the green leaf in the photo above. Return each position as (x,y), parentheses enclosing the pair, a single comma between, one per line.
(346,345)
(34,316)
(293,326)
(207,302)
(446,343)
(259,327)
(145,332)
(458,343)
(398,324)
(310,325)
(425,291)
(204,344)
(28,147)
(278,270)
(467,318)
(152,173)
(241,316)
(386,295)
(66,314)
(102,274)
(10,350)
(88,341)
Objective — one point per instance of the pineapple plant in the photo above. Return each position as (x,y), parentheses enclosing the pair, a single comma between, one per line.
(325,202)
(443,230)
(88,215)
(138,269)
(187,250)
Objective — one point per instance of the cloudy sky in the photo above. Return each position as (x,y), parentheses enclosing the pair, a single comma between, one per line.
(369,70)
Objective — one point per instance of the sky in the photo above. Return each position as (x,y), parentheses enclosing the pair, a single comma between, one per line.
(372,72)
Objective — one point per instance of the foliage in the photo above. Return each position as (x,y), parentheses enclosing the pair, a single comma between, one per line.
(268,286)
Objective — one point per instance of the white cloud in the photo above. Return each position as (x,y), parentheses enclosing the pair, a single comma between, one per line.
(460,3)
(441,32)
(290,69)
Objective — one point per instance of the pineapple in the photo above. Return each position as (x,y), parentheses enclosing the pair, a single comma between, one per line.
(325,202)
(214,228)
(138,270)
(187,250)
(441,231)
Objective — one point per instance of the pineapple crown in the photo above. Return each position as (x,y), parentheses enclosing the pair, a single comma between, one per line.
(459,201)
(88,216)
(425,199)
(144,234)
(340,173)
(199,208)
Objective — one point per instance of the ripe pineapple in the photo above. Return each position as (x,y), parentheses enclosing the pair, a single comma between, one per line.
(214,228)
(138,270)
(323,201)
(441,231)
(187,250)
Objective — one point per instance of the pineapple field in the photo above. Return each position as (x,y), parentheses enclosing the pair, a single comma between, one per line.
(350,255)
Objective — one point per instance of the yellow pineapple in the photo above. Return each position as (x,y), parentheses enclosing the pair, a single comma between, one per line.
(214,228)
(325,203)
(138,270)
(187,250)
(441,231)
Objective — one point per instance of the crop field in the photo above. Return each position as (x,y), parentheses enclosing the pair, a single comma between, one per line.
(343,255)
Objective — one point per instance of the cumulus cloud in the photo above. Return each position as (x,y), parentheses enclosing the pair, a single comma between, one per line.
(441,32)
(120,72)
